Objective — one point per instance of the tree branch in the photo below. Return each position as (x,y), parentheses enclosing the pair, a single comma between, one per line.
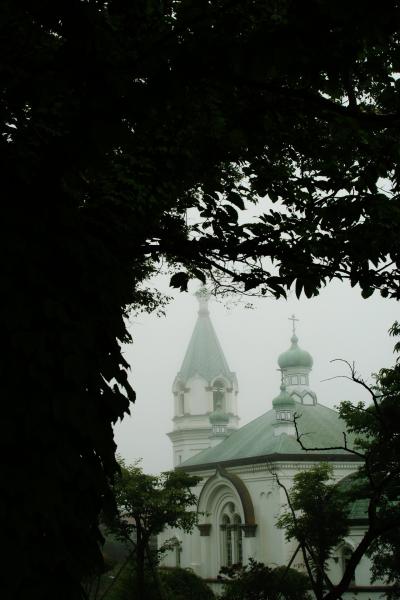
(365,386)
(358,553)
(345,447)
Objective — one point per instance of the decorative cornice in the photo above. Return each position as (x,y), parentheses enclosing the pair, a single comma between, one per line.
(267,459)
(268,468)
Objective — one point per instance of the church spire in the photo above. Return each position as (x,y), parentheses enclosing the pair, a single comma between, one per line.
(205,391)
(204,355)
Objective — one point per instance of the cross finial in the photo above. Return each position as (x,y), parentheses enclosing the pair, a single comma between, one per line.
(203,296)
(293,319)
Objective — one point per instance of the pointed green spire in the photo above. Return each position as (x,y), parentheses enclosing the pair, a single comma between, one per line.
(204,354)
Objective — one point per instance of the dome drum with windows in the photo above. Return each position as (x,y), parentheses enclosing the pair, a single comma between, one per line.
(295,365)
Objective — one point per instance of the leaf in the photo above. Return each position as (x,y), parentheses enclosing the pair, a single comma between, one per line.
(180,281)
(299,287)
(236,199)
(367,292)
(250,284)
(199,275)
(232,213)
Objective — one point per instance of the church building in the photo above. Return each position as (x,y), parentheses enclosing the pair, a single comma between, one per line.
(239,499)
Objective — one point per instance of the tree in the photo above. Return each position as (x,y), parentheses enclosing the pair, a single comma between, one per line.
(117,118)
(318,519)
(318,144)
(256,581)
(146,504)
(385,554)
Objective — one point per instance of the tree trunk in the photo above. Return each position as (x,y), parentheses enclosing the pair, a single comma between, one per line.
(140,561)
(155,573)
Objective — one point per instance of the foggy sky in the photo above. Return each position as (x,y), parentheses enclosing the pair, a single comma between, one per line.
(336,324)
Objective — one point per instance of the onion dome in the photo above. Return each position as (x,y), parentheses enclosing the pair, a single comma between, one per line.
(295,356)
(219,418)
(283,400)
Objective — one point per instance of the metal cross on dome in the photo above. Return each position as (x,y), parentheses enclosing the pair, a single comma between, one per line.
(293,319)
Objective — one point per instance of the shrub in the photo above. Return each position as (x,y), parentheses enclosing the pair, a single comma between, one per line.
(181,584)
(259,582)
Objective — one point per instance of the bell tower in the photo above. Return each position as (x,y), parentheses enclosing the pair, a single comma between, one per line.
(204,384)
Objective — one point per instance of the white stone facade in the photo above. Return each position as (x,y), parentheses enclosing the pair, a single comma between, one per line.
(204,551)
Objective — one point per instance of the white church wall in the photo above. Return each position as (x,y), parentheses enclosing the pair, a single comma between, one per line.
(269,500)
(188,443)
(198,401)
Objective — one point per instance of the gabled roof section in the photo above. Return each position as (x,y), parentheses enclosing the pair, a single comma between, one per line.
(321,427)
(204,355)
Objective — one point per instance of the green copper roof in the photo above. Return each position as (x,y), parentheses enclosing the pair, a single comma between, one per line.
(359,488)
(295,356)
(204,354)
(322,425)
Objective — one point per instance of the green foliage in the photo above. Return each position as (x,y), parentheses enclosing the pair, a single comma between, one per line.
(145,504)
(176,584)
(385,554)
(256,581)
(152,502)
(317,518)
(318,514)
(181,584)
(120,584)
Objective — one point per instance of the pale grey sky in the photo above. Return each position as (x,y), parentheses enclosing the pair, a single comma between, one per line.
(337,324)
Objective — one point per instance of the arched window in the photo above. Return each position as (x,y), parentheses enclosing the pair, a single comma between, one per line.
(296,397)
(226,530)
(232,541)
(219,395)
(237,540)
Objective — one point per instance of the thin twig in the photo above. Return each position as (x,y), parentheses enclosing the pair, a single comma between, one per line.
(345,447)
